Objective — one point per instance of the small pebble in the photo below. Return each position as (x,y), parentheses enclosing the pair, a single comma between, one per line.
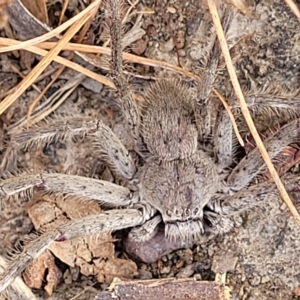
(197,276)
(211,252)
(75,273)
(144,275)
(167,46)
(151,30)
(180,39)
(283,207)
(164,258)
(170,256)
(186,255)
(255,280)
(186,272)
(180,264)
(171,10)
(224,262)
(67,277)
(265,279)
(181,53)
(165,270)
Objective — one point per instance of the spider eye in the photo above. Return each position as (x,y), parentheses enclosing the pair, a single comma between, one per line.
(196,210)
(169,213)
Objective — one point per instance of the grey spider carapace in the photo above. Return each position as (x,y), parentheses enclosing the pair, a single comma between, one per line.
(187,179)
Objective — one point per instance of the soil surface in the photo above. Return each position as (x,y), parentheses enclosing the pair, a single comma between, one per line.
(260,255)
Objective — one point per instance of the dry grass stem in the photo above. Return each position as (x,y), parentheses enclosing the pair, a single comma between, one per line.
(66,63)
(237,88)
(235,128)
(294,8)
(82,34)
(45,61)
(54,32)
(63,10)
(101,50)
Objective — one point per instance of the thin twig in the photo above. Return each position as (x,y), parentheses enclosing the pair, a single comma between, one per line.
(64,62)
(294,8)
(82,34)
(235,128)
(237,88)
(45,61)
(63,10)
(54,32)
(102,50)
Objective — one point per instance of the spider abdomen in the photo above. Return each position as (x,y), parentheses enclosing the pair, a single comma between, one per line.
(168,126)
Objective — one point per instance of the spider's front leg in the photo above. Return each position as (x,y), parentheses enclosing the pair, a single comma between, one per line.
(251,196)
(94,224)
(128,105)
(110,194)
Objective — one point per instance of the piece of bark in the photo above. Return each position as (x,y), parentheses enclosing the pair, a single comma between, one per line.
(164,289)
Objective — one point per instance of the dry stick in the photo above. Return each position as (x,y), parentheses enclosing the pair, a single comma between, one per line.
(64,62)
(63,10)
(235,128)
(126,56)
(54,32)
(32,106)
(294,8)
(98,49)
(16,70)
(104,50)
(237,88)
(45,61)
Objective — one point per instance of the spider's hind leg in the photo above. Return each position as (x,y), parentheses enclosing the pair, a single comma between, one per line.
(253,164)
